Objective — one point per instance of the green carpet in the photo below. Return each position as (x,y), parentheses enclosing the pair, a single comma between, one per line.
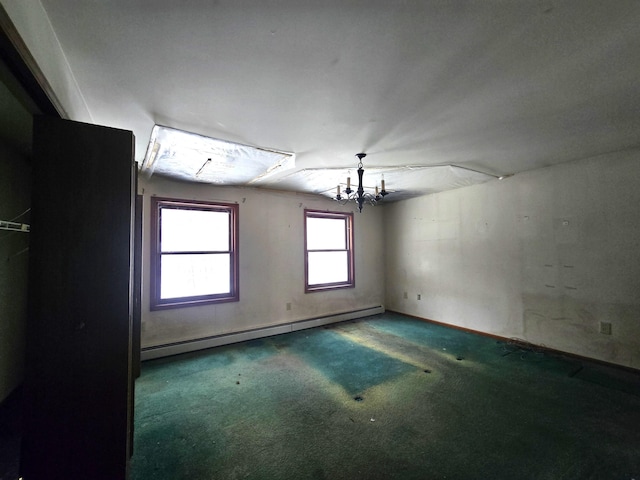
(386,397)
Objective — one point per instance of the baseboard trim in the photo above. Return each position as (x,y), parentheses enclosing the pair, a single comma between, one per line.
(150,353)
(550,351)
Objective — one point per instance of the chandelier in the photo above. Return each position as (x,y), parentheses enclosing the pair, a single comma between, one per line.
(360,196)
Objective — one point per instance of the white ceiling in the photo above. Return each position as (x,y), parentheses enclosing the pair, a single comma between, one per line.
(495,86)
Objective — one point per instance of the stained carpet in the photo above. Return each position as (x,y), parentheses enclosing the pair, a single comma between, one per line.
(385,397)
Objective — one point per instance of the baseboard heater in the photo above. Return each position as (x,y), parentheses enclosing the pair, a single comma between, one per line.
(159,351)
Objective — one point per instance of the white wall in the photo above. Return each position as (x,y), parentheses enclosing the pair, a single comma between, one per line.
(271,265)
(544,256)
(15,181)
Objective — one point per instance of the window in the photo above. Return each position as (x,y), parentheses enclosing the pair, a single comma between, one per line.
(328,250)
(194,254)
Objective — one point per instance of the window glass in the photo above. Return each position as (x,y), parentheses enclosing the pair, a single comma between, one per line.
(194,275)
(194,230)
(328,267)
(326,233)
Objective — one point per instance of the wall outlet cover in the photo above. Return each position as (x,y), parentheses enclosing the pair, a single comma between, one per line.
(605,328)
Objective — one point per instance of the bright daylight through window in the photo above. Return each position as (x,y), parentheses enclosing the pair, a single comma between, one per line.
(328,250)
(194,257)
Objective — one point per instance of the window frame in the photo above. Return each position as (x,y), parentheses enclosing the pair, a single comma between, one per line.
(158,303)
(349,235)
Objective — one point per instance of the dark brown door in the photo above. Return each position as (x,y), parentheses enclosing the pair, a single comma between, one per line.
(78,386)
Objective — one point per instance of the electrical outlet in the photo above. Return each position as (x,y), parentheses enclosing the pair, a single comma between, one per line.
(405,296)
(605,328)
(288,305)
(419,297)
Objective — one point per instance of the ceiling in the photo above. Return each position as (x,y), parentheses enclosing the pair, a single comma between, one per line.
(496,87)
